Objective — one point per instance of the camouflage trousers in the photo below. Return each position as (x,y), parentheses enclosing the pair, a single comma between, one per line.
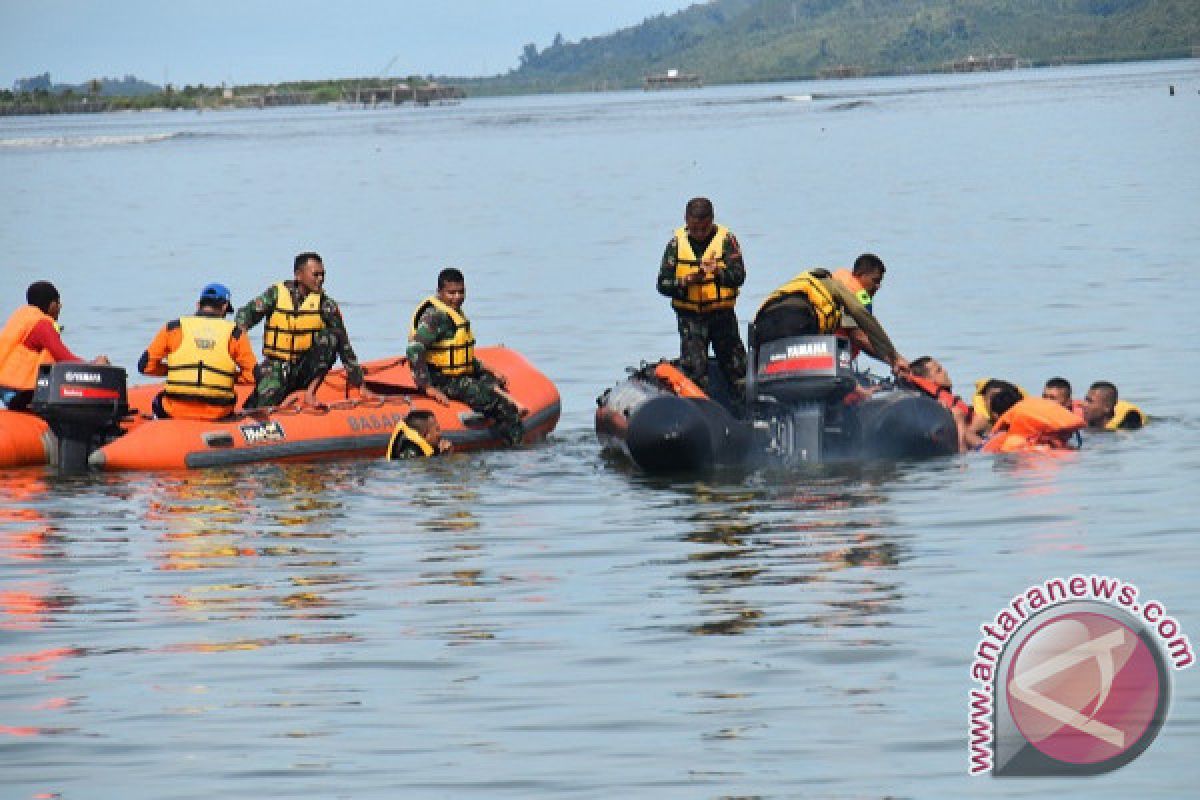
(479,392)
(276,379)
(720,329)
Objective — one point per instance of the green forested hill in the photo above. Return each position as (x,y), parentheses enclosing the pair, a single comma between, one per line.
(751,40)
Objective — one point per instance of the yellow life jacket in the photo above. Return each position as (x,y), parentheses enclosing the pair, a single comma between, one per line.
(848,279)
(289,330)
(403,432)
(201,368)
(1121,411)
(454,355)
(827,309)
(19,364)
(979,402)
(707,295)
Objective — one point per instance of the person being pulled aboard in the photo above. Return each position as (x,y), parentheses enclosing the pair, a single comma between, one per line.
(418,435)
(1103,410)
(813,302)
(29,339)
(929,376)
(203,356)
(701,271)
(303,335)
(441,354)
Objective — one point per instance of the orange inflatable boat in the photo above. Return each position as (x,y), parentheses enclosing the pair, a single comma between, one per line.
(338,428)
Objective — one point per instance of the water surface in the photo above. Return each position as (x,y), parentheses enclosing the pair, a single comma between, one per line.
(546,622)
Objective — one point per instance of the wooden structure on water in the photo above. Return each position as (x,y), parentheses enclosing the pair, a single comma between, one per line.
(672,79)
(988,63)
(398,93)
(841,71)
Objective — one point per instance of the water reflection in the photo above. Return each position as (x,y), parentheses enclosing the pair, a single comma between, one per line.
(454,558)
(252,544)
(825,535)
(29,542)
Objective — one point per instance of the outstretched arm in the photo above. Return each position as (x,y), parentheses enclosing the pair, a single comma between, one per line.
(253,312)
(877,337)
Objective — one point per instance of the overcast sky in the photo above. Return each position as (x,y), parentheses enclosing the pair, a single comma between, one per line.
(266,41)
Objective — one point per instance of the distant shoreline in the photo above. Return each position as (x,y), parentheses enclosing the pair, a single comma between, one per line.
(335,93)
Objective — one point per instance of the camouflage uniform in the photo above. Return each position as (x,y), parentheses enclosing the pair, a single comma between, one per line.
(275,378)
(720,328)
(476,388)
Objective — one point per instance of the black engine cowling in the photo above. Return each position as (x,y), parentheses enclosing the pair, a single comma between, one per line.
(83,404)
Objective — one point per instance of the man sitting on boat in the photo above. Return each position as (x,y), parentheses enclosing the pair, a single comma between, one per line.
(303,335)
(29,339)
(813,302)
(418,435)
(441,354)
(203,357)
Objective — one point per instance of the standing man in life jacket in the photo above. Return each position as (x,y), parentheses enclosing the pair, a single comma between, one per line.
(29,339)
(303,335)
(441,355)
(927,375)
(203,357)
(864,280)
(1103,410)
(701,271)
(814,302)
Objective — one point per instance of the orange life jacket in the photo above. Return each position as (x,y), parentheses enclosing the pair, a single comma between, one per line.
(679,383)
(1032,424)
(19,364)
(942,395)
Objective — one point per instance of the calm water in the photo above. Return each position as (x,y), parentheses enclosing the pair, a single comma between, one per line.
(546,623)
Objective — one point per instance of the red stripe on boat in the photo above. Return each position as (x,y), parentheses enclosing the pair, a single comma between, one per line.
(799,364)
(88,393)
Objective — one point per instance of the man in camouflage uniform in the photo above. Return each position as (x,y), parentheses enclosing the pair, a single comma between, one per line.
(701,272)
(304,334)
(441,354)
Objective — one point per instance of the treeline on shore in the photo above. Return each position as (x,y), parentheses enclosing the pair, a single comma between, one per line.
(104,95)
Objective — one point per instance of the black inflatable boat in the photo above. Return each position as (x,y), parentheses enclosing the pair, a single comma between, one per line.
(804,404)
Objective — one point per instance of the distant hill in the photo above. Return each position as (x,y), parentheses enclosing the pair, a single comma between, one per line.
(727,41)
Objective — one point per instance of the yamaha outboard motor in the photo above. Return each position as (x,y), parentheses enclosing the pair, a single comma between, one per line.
(83,404)
(795,387)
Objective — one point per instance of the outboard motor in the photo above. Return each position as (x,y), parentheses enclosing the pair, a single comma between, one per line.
(83,404)
(795,387)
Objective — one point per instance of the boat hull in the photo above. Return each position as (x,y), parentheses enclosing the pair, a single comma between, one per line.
(340,428)
(663,433)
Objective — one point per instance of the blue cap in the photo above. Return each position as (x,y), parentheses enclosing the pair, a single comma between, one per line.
(216,291)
